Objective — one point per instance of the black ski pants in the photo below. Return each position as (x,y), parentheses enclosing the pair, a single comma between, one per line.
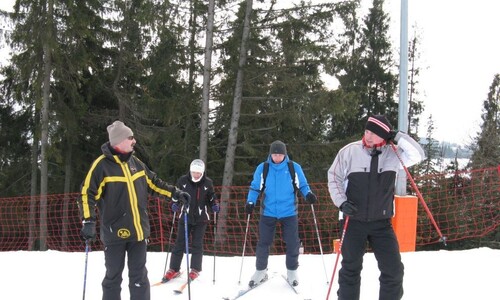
(114,260)
(197,232)
(290,235)
(384,244)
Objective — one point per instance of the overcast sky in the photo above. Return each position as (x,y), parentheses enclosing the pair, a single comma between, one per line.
(460,54)
(459,51)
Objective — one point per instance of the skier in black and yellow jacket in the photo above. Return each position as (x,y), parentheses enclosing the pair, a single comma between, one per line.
(118,184)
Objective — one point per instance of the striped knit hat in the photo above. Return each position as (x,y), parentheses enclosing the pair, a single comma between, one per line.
(379,125)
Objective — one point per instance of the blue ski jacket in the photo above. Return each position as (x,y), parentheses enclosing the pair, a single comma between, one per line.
(278,197)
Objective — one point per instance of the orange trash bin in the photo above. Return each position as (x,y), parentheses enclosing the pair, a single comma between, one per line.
(405,222)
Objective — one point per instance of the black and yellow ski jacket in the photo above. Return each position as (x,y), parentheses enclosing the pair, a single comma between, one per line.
(119,187)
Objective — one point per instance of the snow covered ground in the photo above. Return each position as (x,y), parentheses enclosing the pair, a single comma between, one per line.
(467,274)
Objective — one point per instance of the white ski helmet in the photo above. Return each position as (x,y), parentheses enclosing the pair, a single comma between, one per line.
(197,165)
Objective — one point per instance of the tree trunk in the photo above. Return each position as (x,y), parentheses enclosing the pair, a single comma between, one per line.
(207,68)
(34,187)
(67,190)
(47,69)
(227,179)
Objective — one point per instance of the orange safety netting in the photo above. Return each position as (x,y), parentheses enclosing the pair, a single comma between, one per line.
(464,205)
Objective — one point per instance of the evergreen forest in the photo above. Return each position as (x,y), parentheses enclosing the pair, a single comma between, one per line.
(217,80)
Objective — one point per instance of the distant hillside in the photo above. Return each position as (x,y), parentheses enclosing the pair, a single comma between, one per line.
(452,149)
(449,150)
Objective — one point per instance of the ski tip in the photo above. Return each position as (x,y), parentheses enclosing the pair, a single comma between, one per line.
(177,292)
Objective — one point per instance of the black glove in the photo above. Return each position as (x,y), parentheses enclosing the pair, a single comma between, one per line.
(348,208)
(311,198)
(392,136)
(249,208)
(182,197)
(88,230)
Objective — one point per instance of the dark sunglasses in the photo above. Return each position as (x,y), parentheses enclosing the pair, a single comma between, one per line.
(131,137)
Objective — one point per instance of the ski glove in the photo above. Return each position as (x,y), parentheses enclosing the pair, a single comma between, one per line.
(348,208)
(216,208)
(181,196)
(311,198)
(249,208)
(88,231)
(176,207)
(392,136)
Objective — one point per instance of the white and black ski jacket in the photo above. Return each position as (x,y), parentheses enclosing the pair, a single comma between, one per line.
(349,176)
(202,196)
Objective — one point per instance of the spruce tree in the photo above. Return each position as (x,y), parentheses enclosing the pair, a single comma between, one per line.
(415,105)
(365,72)
(486,147)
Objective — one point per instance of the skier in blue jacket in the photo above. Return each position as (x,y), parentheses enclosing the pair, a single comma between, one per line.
(278,186)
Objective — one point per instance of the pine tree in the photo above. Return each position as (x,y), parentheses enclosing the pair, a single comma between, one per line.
(415,106)
(286,52)
(377,59)
(430,165)
(365,72)
(486,149)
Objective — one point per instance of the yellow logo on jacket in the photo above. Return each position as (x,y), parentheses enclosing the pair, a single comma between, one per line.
(123,233)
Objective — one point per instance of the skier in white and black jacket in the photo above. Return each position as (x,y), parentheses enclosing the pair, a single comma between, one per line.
(201,189)
(361,182)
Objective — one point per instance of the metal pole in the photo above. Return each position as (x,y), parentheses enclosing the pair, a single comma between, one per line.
(319,241)
(420,197)
(186,237)
(338,255)
(244,246)
(215,237)
(403,88)
(87,248)
(169,238)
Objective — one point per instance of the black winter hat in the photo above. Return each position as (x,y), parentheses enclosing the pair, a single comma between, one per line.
(277,147)
(379,125)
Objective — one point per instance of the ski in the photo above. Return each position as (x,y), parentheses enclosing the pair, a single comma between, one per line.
(294,288)
(163,282)
(182,287)
(248,289)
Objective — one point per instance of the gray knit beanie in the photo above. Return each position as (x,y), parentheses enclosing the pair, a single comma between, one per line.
(278,147)
(118,132)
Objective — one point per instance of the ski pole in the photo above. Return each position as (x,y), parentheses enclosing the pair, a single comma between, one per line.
(420,197)
(244,246)
(187,249)
(87,248)
(215,232)
(169,238)
(319,241)
(161,224)
(338,255)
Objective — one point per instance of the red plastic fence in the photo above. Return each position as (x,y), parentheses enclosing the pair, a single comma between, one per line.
(464,205)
